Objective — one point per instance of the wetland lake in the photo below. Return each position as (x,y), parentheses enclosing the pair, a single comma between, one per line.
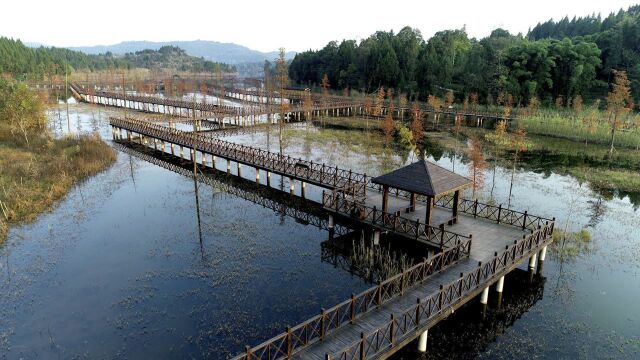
(142,262)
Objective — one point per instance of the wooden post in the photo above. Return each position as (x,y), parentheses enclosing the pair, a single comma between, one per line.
(352,309)
(412,202)
(362,341)
(475,209)
(429,211)
(524,220)
(456,200)
(323,326)
(392,329)
(385,198)
(289,336)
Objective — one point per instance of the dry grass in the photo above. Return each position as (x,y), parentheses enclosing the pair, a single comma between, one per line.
(34,177)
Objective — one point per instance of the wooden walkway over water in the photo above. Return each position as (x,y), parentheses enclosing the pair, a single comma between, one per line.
(251,113)
(472,253)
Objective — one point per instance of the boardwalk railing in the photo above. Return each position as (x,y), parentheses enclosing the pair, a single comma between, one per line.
(320,174)
(498,214)
(347,312)
(241,188)
(436,236)
(131,98)
(405,326)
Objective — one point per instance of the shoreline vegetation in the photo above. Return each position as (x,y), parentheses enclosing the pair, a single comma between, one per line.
(36,169)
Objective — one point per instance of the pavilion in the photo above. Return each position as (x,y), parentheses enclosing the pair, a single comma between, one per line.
(427,179)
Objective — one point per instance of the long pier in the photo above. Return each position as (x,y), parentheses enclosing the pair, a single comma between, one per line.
(472,251)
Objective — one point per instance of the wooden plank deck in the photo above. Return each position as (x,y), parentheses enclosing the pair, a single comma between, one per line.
(493,238)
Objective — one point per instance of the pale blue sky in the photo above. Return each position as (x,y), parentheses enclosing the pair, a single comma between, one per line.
(268,25)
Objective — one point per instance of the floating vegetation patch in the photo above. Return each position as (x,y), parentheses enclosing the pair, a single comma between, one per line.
(377,262)
(569,245)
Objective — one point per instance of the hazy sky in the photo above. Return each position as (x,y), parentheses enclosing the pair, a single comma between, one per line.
(267,25)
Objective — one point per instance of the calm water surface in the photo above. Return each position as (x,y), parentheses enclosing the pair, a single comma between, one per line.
(123,268)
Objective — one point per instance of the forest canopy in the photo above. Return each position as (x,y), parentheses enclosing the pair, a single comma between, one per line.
(555,59)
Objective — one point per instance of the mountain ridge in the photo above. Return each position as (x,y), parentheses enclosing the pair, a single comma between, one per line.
(229,53)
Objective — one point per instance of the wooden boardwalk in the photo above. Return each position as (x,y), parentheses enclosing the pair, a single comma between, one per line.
(299,209)
(479,249)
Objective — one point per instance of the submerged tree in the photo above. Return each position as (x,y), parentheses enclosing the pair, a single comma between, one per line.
(500,142)
(478,164)
(619,104)
(379,102)
(590,119)
(518,144)
(325,89)
(436,104)
(388,127)
(416,123)
(283,83)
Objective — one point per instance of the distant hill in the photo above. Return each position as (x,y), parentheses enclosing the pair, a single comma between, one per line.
(172,57)
(228,53)
(23,61)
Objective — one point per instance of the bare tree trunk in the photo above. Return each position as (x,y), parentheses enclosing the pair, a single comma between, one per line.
(513,173)
(613,135)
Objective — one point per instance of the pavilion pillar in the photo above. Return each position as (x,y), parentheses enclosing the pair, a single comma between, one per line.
(456,201)
(429,212)
(412,202)
(385,198)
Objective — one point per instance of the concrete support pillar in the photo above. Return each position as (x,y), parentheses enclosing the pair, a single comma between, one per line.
(228,166)
(173,152)
(268,178)
(204,159)
(484,297)
(292,186)
(331,222)
(239,170)
(543,253)
(376,237)
(181,152)
(422,341)
(192,154)
(500,284)
(257,176)
(303,187)
(532,261)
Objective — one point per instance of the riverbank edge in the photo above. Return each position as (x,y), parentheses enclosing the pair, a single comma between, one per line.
(95,155)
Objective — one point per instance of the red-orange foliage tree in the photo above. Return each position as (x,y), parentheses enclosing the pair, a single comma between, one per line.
(478,164)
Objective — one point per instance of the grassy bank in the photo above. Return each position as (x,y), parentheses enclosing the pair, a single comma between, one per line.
(37,169)
(588,127)
(33,178)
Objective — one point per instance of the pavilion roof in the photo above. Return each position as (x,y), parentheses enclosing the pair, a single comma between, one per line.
(424,178)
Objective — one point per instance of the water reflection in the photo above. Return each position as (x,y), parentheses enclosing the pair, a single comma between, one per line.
(471,329)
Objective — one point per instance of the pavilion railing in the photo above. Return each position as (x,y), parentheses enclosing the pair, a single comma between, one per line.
(436,236)
(417,317)
(495,213)
(498,214)
(331,177)
(317,328)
